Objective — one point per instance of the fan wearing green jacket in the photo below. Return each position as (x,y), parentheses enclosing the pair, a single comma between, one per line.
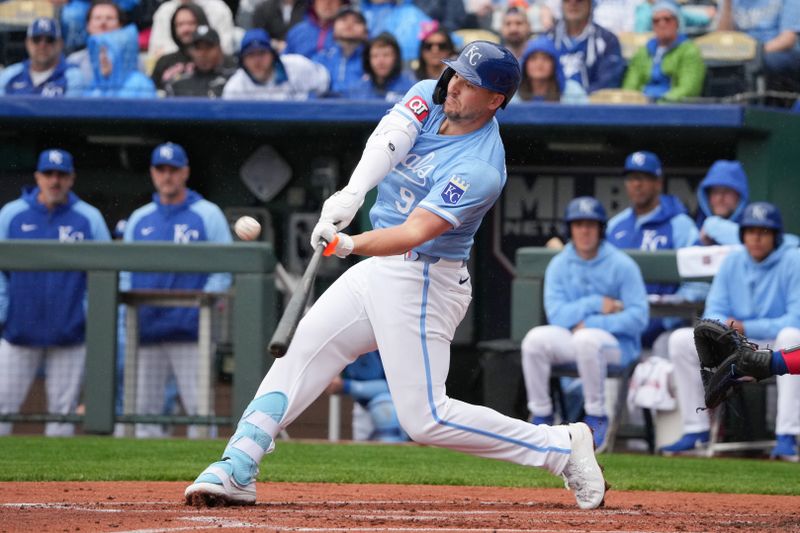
(669,67)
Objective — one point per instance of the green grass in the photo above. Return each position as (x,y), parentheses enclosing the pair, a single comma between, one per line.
(109,459)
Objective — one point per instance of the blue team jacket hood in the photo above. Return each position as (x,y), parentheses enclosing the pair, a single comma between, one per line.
(669,206)
(30,194)
(547,46)
(727,174)
(122,46)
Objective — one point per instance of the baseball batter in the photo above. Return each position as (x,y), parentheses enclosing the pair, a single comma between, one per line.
(439,165)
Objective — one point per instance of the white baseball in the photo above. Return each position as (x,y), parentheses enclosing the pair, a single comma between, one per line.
(247,228)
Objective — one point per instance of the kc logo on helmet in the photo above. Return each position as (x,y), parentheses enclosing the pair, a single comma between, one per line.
(586,206)
(473,55)
(759,212)
(419,107)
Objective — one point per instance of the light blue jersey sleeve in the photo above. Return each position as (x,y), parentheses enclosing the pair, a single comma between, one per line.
(7,213)
(218,231)
(560,307)
(464,193)
(790,16)
(96,221)
(365,390)
(416,104)
(721,230)
(633,318)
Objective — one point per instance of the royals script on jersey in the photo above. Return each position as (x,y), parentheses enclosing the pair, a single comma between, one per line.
(457,177)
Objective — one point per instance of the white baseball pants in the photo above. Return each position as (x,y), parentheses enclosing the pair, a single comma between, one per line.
(408,310)
(63,378)
(155,362)
(689,384)
(591,349)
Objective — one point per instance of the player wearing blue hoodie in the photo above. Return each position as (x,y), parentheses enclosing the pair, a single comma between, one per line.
(168,335)
(44,312)
(757,289)
(654,221)
(596,306)
(721,198)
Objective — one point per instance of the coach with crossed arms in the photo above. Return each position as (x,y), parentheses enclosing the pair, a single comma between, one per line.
(409,297)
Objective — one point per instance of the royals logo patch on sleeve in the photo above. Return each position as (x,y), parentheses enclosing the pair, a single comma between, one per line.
(419,107)
(454,190)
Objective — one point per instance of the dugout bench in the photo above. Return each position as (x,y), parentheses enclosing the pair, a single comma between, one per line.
(500,359)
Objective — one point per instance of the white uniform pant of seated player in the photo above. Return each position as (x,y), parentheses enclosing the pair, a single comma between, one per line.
(392,305)
(63,368)
(591,349)
(689,384)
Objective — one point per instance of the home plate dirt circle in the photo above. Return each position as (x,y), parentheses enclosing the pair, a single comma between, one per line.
(158,507)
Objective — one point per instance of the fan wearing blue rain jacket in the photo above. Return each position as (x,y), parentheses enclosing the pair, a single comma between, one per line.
(655,221)
(543,76)
(401,18)
(114,57)
(596,306)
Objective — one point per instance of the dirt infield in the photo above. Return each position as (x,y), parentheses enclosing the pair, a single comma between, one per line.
(151,507)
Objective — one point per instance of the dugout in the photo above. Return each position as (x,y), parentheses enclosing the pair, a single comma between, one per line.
(555,152)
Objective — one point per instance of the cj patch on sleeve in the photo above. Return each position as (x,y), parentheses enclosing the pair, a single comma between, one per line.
(419,107)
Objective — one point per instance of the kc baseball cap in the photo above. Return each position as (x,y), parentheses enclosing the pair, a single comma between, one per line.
(205,34)
(44,27)
(55,159)
(349,9)
(255,39)
(646,162)
(169,154)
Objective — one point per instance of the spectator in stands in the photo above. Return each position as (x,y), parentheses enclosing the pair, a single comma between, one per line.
(217,12)
(315,32)
(374,414)
(669,67)
(104,16)
(384,77)
(168,335)
(401,18)
(450,14)
(515,31)
(115,56)
(654,221)
(617,16)
(43,313)
(543,78)
(343,59)
(590,54)
(45,72)
(596,306)
(184,23)
(435,45)
(212,68)
(276,17)
(265,75)
(757,290)
(74,16)
(489,14)
(696,17)
(775,24)
(721,198)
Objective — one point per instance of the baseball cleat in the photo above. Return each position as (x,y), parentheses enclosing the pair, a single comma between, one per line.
(217,486)
(687,444)
(583,475)
(785,449)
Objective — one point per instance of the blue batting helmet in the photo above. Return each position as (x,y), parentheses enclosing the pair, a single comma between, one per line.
(762,215)
(585,208)
(484,64)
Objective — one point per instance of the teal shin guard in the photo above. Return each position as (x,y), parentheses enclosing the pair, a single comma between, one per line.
(252,440)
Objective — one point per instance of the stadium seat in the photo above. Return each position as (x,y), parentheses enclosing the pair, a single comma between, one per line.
(632,41)
(734,63)
(476,34)
(617,96)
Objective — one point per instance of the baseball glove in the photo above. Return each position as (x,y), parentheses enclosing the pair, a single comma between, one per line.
(727,359)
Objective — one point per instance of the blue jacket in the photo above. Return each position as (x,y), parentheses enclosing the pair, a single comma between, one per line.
(66,80)
(593,59)
(364,378)
(345,72)
(194,220)
(125,80)
(46,308)
(401,18)
(308,37)
(574,290)
(764,296)
(393,92)
(728,174)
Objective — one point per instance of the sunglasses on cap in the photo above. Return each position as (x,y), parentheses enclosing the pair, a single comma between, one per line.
(43,39)
(437,45)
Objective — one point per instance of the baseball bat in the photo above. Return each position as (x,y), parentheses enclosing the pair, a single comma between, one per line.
(284,333)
